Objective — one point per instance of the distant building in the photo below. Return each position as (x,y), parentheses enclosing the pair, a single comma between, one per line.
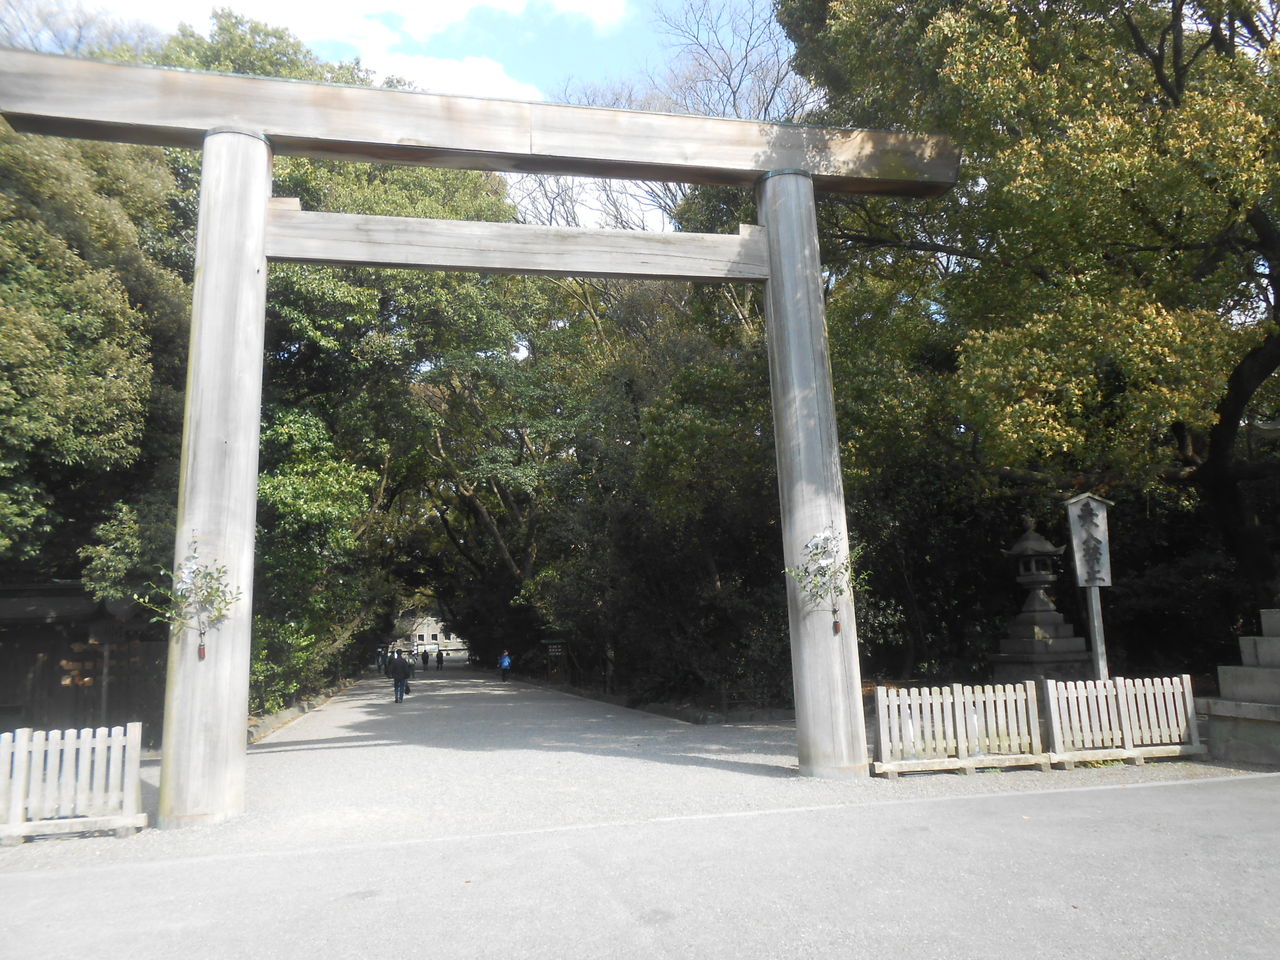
(418,634)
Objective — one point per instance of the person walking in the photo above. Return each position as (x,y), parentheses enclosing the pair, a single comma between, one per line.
(504,664)
(399,670)
(439,659)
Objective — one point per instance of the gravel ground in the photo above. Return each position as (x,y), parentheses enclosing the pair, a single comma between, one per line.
(516,787)
(466,755)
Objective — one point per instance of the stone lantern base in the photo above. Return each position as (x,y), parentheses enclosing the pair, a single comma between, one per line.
(1041,644)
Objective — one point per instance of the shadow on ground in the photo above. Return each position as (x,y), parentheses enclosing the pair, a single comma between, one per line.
(472,712)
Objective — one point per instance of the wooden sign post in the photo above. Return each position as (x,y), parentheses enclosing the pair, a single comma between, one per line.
(1091,550)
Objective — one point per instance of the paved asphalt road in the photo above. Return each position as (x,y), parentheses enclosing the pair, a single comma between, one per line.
(489,820)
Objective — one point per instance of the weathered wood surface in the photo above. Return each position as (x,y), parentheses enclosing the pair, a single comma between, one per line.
(958,728)
(207,698)
(41,93)
(339,238)
(830,729)
(70,781)
(1121,719)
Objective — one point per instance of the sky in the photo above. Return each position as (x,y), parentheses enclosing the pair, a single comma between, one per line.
(511,49)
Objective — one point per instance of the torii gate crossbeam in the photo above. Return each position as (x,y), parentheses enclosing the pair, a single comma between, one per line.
(240,121)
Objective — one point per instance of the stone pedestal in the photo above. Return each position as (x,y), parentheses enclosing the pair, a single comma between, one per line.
(1244,721)
(1040,643)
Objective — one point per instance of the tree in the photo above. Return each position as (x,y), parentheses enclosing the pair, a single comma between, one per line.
(1106,268)
(83,305)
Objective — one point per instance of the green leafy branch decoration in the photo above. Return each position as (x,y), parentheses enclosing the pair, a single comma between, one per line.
(823,577)
(199,597)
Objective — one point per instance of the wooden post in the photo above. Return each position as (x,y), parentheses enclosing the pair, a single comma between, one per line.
(830,728)
(206,700)
(1097,637)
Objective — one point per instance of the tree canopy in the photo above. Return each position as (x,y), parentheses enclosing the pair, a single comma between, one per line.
(591,462)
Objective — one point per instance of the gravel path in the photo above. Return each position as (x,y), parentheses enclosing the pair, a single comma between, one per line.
(594,830)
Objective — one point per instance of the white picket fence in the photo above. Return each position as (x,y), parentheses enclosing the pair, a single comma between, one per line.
(1121,719)
(70,781)
(967,728)
(958,728)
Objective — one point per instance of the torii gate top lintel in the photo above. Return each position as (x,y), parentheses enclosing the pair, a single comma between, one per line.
(94,99)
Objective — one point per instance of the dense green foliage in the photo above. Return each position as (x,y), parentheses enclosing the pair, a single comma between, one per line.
(1093,307)
(1097,298)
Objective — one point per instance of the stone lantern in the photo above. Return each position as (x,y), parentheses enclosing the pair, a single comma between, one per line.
(1040,642)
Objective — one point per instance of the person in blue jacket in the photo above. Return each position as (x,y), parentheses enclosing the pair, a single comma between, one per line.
(504,664)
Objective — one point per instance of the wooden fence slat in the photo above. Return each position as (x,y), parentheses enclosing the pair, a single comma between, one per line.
(1070,717)
(960,721)
(924,717)
(47,804)
(986,712)
(1125,705)
(1097,713)
(1151,730)
(1098,701)
(1024,719)
(1001,727)
(1071,714)
(942,745)
(1190,704)
(1178,711)
(950,743)
(132,800)
(84,770)
(1055,724)
(882,724)
(115,768)
(1033,715)
(964,738)
(1110,701)
(1089,710)
(1012,725)
(1159,723)
(21,775)
(1081,700)
(895,725)
(66,806)
(98,787)
(1156,733)
(36,778)
(1173,701)
(1106,721)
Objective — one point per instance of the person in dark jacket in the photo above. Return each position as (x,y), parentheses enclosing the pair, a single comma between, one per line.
(439,659)
(399,670)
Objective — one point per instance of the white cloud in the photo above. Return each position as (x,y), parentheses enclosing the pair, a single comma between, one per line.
(375,42)
(427,19)
(470,76)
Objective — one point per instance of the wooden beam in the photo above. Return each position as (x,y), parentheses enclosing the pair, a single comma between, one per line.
(342,238)
(42,93)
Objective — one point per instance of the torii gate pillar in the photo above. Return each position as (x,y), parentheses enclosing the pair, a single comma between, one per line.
(830,728)
(207,700)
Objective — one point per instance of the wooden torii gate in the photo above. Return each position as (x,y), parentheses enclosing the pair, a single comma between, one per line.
(240,122)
